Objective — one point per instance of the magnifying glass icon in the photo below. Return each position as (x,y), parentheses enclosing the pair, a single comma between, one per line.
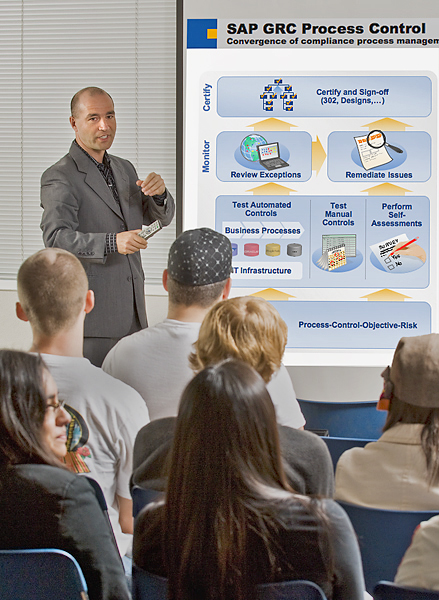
(377,139)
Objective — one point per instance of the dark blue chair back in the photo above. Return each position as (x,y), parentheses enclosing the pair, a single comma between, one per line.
(290,590)
(384,536)
(141,497)
(103,504)
(46,574)
(344,419)
(147,586)
(338,445)
(386,590)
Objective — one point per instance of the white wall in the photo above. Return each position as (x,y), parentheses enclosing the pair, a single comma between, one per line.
(17,335)
(337,384)
(13,332)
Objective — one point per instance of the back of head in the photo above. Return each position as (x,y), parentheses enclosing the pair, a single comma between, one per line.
(22,409)
(52,286)
(247,328)
(199,265)
(414,374)
(411,388)
(225,467)
(229,403)
(411,384)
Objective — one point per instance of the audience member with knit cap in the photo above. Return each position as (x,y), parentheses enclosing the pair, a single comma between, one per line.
(400,471)
(154,361)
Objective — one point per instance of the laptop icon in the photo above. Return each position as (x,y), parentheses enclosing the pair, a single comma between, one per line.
(269,156)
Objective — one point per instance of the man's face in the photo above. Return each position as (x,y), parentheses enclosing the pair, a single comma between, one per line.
(94,124)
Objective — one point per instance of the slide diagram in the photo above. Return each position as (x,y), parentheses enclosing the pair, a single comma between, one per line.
(325,96)
(393,156)
(349,241)
(318,162)
(290,239)
(264,156)
(352,324)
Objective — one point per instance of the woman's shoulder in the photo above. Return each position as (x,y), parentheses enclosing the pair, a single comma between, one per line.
(320,508)
(47,478)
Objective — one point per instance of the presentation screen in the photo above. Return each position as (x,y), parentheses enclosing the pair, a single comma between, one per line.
(311,143)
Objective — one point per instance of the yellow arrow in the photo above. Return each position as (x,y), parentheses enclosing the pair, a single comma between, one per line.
(272,294)
(386,296)
(271,189)
(272,124)
(318,155)
(387,124)
(386,189)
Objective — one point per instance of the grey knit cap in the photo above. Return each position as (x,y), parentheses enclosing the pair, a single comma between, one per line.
(414,375)
(200,257)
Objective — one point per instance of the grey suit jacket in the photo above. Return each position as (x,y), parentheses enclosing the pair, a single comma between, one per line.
(79,210)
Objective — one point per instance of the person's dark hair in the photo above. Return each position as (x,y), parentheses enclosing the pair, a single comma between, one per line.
(402,412)
(92,91)
(194,295)
(226,482)
(22,409)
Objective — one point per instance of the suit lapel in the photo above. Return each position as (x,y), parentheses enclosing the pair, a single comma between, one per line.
(123,186)
(94,179)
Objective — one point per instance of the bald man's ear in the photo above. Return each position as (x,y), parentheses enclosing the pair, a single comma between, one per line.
(165,279)
(72,122)
(20,312)
(89,301)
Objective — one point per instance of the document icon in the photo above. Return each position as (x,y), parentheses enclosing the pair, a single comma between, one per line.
(371,157)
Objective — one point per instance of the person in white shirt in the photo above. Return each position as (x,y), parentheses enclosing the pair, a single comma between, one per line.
(154,361)
(400,471)
(106,414)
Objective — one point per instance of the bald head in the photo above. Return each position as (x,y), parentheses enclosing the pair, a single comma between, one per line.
(87,91)
(52,287)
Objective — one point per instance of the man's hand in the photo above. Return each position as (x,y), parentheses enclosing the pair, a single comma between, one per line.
(153,185)
(128,242)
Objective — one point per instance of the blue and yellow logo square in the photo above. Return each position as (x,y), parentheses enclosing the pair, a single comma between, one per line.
(202,33)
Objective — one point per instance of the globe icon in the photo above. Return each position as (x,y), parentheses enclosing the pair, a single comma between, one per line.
(249,146)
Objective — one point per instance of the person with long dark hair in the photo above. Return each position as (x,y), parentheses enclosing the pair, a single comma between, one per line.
(42,504)
(400,470)
(229,520)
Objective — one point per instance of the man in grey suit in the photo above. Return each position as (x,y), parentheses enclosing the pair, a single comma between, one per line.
(94,206)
